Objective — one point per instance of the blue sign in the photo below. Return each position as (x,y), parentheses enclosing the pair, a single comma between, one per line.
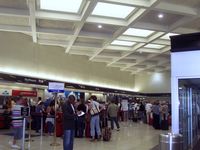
(56,87)
(56,91)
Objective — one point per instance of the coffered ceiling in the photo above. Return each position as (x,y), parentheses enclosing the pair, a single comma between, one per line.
(132,35)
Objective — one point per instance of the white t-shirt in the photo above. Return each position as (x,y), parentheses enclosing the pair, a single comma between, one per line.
(124,105)
(148,107)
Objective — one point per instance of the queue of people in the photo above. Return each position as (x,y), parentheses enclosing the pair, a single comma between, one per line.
(155,113)
(80,118)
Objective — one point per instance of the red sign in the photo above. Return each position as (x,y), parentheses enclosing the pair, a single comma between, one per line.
(24,93)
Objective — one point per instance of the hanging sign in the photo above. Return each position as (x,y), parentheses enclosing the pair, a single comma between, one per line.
(56,87)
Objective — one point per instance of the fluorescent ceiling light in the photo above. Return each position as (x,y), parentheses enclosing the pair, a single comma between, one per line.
(112,10)
(154,46)
(138,32)
(166,36)
(61,5)
(99,26)
(160,16)
(123,43)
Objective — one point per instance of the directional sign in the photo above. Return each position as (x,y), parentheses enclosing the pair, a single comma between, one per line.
(56,87)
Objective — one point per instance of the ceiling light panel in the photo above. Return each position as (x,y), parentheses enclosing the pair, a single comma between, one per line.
(112,10)
(123,43)
(154,46)
(167,36)
(71,6)
(138,32)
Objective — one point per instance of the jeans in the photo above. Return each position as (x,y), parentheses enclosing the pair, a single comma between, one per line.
(68,140)
(50,127)
(18,133)
(95,126)
(112,120)
(81,126)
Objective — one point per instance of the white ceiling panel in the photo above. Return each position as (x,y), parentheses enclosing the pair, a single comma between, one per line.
(61,5)
(112,10)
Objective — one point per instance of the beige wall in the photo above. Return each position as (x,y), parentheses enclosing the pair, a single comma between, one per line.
(153,82)
(18,54)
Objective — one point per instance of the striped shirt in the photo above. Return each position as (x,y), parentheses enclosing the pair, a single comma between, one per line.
(16,116)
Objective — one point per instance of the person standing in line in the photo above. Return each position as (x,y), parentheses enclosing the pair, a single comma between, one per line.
(81,118)
(141,112)
(156,115)
(17,123)
(69,116)
(112,113)
(39,110)
(95,119)
(50,120)
(148,108)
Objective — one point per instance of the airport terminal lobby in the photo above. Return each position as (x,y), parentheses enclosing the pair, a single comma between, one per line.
(126,51)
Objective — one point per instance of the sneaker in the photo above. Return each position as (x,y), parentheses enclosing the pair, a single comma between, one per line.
(15,146)
(118,129)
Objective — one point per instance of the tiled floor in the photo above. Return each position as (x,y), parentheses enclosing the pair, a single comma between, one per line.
(132,136)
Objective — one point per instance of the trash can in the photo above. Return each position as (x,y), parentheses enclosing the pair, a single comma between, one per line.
(171,141)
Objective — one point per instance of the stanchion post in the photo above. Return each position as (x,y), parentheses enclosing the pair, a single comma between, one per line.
(54,139)
(41,130)
(23,137)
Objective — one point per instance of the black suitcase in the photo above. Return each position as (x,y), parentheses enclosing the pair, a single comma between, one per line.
(164,125)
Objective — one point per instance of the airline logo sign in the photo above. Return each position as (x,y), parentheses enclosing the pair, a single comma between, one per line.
(24,93)
(5,92)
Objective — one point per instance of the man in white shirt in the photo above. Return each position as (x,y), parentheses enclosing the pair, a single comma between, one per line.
(148,108)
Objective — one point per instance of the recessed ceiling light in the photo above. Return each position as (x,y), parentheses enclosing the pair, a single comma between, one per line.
(112,10)
(72,6)
(123,43)
(99,26)
(166,36)
(138,32)
(160,16)
(154,46)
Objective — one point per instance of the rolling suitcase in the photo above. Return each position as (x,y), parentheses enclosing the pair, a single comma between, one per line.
(164,125)
(106,133)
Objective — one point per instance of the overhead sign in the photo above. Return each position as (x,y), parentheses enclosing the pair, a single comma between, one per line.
(5,92)
(24,93)
(56,87)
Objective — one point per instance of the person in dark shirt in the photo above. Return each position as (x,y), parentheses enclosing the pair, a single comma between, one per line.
(142,111)
(81,118)
(69,116)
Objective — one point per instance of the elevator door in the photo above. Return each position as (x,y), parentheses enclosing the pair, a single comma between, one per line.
(189,97)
